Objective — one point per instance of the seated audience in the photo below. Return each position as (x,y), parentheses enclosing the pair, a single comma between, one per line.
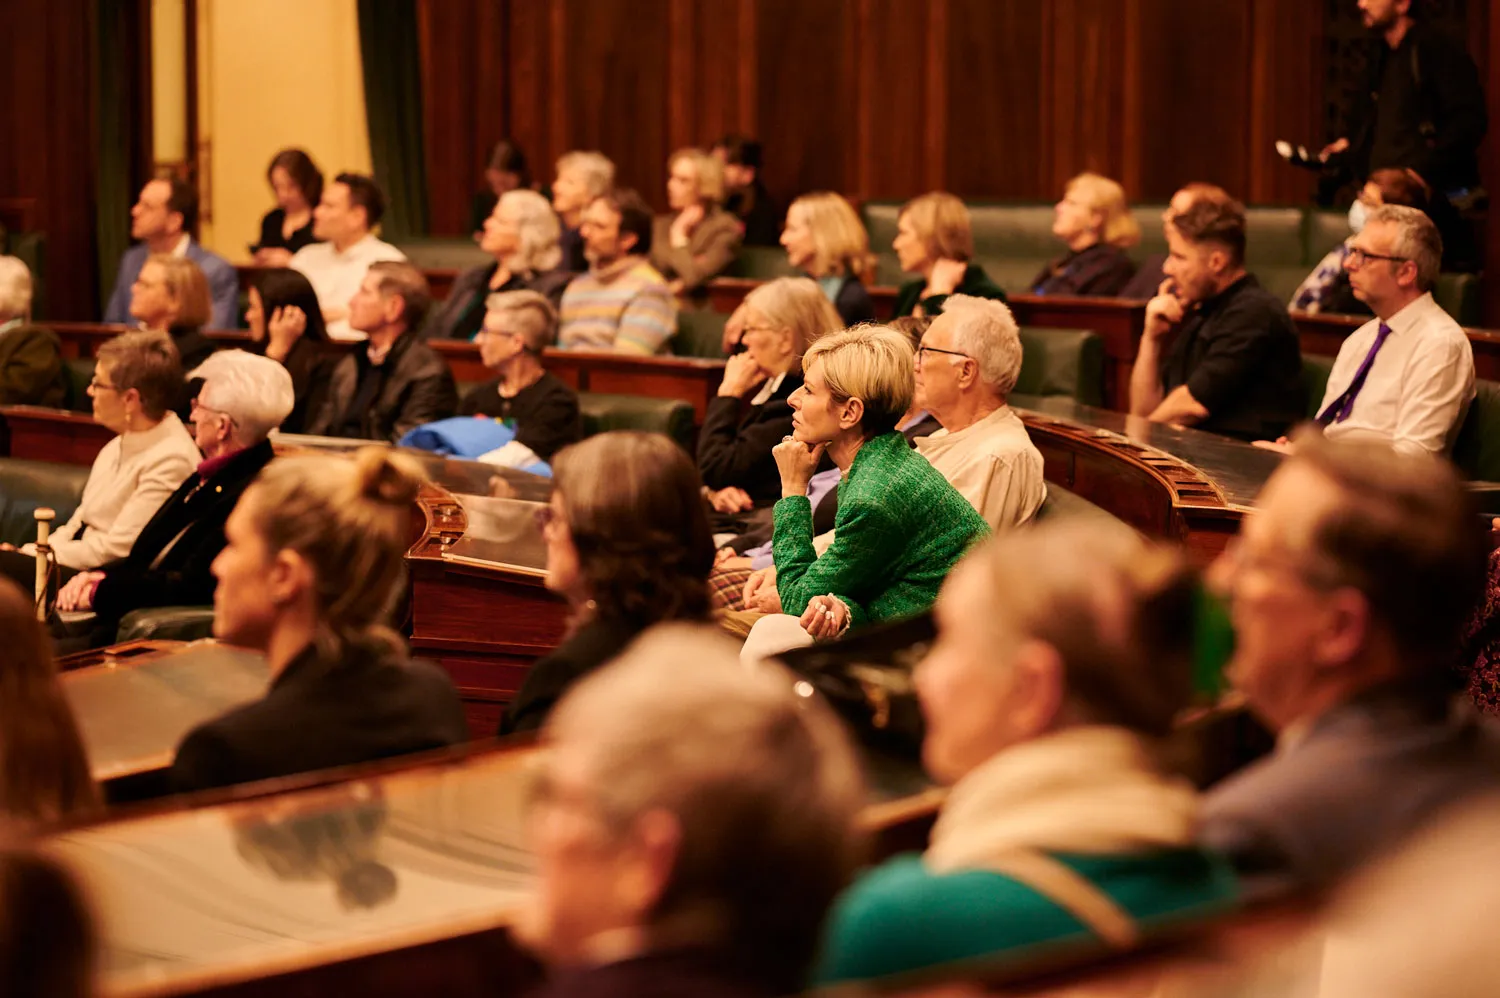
(699,239)
(44,770)
(1327,288)
(336,265)
(1406,377)
(1148,276)
(900,526)
(242,399)
(750,414)
(521,234)
(1095,223)
(935,239)
(1219,352)
(967,364)
(1062,659)
(581,178)
(747,198)
(536,403)
(163,219)
(396,382)
(286,325)
(505,171)
(628,546)
(170,295)
(825,239)
(312,566)
(1348,590)
(31,366)
(48,943)
(691,824)
(136,381)
(622,303)
(298,185)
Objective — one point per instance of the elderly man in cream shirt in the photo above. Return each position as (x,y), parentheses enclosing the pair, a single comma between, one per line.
(967,364)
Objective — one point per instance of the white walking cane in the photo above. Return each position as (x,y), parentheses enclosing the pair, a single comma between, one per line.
(44,518)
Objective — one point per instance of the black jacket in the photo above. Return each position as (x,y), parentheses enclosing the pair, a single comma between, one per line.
(318,715)
(1100,270)
(853,303)
(416,388)
(191,521)
(585,650)
(461,315)
(734,446)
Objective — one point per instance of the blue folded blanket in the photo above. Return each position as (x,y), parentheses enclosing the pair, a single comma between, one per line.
(461,436)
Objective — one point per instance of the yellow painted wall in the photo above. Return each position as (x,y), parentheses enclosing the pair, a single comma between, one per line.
(169,82)
(272,74)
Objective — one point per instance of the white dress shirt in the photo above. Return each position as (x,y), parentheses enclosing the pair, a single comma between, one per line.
(993,464)
(1418,388)
(336,276)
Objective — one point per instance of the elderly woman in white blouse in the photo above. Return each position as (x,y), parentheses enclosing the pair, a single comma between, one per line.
(137,379)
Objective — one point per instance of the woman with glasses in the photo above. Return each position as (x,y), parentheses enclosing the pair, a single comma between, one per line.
(312,566)
(136,381)
(538,405)
(750,414)
(628,546)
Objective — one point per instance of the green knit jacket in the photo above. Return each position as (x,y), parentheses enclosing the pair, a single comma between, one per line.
(900,528)
(976,283)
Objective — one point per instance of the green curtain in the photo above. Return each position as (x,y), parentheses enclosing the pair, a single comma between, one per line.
(118,124)
(393,104)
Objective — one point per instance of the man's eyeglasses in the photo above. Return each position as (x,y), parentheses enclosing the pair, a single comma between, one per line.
(922,350)
(100,386)
(1358,257)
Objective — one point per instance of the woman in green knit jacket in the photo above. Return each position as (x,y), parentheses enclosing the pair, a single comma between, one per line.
(900,526)
(1063,656)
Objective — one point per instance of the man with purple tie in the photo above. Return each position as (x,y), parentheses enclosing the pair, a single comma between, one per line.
(1405,377)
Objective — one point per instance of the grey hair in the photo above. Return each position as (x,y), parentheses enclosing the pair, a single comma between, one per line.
(254,391)
(1417,240)
(986,331)
(597,169)
(539,231)
(535,315)
(15,289)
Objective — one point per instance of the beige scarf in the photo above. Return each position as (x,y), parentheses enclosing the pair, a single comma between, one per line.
(1093,790)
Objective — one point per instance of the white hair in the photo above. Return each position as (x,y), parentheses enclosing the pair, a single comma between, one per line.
(539,231)
(254,391)
(985,330)
(15,289)
(597,169)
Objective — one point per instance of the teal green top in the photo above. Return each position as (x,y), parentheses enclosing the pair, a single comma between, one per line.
(900,528)
(900,918)
(976,283)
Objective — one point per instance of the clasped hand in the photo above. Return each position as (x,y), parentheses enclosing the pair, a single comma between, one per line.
(78,592)
(825,617)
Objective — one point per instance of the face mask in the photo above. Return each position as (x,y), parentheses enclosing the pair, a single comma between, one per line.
(1357,213)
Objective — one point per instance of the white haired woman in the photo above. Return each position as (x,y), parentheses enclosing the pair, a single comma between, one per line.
(244,397)
(522,235)
(691,822)
(31,367)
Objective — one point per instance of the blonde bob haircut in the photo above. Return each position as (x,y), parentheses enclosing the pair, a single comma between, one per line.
(797,304)
(187,287)
(539,230)
(841,246)
(942,223)
(709,170)
(763,784)
(349,520)
(873,364)
(1120,229)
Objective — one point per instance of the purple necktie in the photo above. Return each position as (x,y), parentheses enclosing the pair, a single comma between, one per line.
(1338,410)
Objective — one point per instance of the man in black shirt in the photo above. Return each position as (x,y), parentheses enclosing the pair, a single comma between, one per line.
(395,382)
(542,410)
(1233,365)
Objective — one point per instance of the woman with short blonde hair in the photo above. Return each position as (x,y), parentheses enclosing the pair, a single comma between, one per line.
(522,235)
(1095,223)
(170,295)
(699,238)
(900,526)
(935,238)
(824,237)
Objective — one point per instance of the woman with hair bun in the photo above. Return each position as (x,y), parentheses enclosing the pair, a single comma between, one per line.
(310,573)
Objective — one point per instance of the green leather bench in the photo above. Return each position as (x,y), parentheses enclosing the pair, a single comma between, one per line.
(700,332)
(604,412)
(1062,362)
(28,485)
(1315,371)
(761,263)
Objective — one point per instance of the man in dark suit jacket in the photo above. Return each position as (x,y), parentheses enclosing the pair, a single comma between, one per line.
(31,367)
(242,398)
(1349,588)
(163,220)
(396,382)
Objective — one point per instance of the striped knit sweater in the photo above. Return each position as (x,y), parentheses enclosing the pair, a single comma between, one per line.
(625,306)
